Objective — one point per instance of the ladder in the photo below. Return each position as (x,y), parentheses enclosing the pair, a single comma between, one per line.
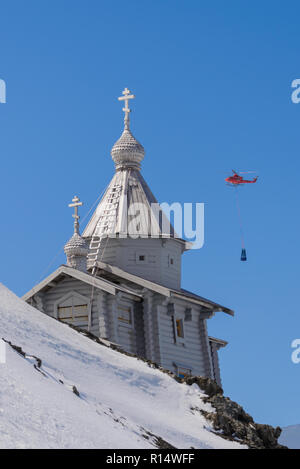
(105,225)
(93,254)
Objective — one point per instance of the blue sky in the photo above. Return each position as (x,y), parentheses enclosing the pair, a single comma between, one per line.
(213,92)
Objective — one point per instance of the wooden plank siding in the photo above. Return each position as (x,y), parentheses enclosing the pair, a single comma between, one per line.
(151,326)
(124,253)
(125,332)
(171,273)
(139,328)
(191,353)
(68,285)
(150,332)
(215,363)
(102,305)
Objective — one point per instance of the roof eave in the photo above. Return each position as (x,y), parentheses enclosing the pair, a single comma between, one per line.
(220,343)
(79,275)
(206,303)
(213,307)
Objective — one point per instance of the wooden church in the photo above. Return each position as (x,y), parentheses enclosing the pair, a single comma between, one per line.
(122,279)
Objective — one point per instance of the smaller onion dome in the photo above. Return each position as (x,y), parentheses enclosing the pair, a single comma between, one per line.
(76,248)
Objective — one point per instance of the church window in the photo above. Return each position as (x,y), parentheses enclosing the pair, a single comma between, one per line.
(73,313)
(125,314)
(73,308)
(170,261)
(178,325)
(179,328)
(141,258)
(65,313)
(183,372)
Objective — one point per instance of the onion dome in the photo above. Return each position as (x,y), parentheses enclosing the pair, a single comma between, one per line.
(127,151)
(76,246)
(76,249)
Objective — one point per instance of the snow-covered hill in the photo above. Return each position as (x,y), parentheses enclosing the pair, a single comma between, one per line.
(291,437)
(122,402)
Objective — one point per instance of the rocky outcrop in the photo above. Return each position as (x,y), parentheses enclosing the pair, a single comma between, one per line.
(231,421)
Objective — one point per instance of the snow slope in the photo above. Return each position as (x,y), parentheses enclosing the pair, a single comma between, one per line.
(121,398)
(290,437)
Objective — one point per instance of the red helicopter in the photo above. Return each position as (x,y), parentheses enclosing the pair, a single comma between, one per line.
(236,179)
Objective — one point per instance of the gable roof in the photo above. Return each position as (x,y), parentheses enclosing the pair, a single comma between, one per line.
(168,292)
(112,288)
(65,270)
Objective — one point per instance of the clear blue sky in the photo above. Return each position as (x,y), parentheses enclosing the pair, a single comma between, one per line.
(212,81)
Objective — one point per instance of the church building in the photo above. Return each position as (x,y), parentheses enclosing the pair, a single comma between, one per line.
(122,277)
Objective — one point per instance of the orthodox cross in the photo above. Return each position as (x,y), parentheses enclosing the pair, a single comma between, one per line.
(76,203)
(126,109)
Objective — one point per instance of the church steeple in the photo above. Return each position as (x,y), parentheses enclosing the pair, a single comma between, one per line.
(127,152)
(126,229)
(113,216)
(76,248)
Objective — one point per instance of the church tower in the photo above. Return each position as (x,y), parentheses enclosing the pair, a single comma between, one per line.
(128,229)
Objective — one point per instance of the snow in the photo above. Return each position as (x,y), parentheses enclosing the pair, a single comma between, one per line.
(121,398)
(290,437)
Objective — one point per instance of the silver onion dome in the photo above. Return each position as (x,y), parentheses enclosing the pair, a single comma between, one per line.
(127,151)
(76,246)
(76,249)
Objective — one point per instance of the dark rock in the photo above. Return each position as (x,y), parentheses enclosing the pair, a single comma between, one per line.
(75,391)
(232,422)
(38,361)
(209,386)
(268,434)
(15,347)
(225,405)
(159,442)
(19,350)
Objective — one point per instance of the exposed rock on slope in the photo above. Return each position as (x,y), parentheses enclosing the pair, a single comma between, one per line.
(232,422)
(229,419)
